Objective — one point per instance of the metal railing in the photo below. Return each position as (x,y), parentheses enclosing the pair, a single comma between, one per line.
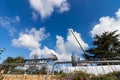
(57,63)
(69,62)
(20,64)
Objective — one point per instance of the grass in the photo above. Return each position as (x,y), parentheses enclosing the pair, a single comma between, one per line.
(77,75)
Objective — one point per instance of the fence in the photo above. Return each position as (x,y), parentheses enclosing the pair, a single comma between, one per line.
(87,69)
(63,70)
(15,71)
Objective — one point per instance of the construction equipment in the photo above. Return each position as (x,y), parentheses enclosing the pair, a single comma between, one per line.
(73,57)
(78,41)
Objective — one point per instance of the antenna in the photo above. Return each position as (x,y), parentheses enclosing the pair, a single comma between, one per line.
(77,41)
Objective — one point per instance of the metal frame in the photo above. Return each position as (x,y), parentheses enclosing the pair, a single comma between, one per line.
(69,62)
(29,64)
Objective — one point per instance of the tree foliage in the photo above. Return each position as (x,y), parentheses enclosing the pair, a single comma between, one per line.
(106,45)
(18,59)
(7,68)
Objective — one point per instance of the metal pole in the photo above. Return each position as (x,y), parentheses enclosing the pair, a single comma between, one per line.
(57,72)
(77,41)
(53,70)
(47,71)
(22,63)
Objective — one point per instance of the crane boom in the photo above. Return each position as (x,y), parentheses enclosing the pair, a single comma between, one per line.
(77,41)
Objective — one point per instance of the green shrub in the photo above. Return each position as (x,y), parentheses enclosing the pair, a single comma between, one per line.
(77,75)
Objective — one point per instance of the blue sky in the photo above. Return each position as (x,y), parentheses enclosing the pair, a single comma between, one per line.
(41,27)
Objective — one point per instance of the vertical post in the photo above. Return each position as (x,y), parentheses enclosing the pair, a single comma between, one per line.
(57,71)
(47,71)
(53,71)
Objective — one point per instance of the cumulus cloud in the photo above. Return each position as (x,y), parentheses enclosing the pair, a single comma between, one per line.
(107,23)
(30,39)
(69,46)
(64,47)
(7,23)
(46,7)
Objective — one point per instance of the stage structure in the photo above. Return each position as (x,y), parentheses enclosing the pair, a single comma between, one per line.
(45,60)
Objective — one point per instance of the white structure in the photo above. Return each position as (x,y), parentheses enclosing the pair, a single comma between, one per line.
(93,69)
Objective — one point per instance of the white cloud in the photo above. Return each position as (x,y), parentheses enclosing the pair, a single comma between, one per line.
(30,39)
(64,48)
(45,52)
(70,46)
(118,13)
(65,7)
(46,7)
(107,24)
(17,19)
(7,23)
(35,16)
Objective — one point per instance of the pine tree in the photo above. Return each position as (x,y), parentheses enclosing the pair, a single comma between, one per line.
(106,46)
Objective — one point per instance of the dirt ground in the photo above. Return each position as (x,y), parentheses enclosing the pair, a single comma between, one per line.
(25,77)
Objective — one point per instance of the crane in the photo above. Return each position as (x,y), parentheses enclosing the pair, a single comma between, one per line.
(73,57)
(78,42)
